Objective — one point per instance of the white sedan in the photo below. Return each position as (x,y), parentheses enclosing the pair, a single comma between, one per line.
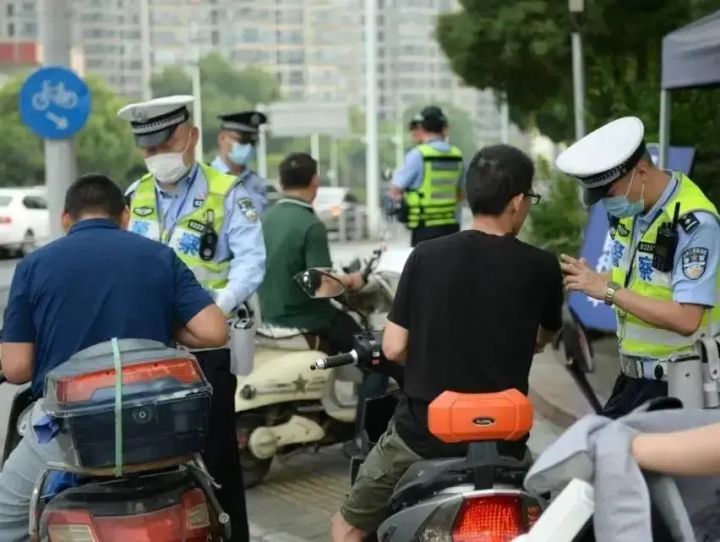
(24,219)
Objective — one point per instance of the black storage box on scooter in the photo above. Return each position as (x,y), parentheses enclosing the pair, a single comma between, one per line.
(165,404)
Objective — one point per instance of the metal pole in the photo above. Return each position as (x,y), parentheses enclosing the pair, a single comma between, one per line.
(145,49)
(399,154)
(197,90)
(578,84)
(262,146)
(315,149)
(55,18)
(665,115)
(372,159)
(334,162)
(504,120)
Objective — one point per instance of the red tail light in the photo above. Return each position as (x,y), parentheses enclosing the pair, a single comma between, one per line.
(188,521)
(82,387)
(495,518)
(5,220)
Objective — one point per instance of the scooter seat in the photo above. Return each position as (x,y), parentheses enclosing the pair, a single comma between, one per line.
(428,476)
(282,338)
(277,332)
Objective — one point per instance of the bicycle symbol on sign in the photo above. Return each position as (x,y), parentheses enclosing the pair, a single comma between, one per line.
(54,94)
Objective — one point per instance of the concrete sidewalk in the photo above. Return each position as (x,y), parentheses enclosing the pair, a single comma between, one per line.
(554,392)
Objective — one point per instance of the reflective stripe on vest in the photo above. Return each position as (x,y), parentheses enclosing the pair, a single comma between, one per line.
(184,238)
(636,337)
(434,203)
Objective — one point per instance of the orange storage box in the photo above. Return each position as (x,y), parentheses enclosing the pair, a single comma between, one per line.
(467,417)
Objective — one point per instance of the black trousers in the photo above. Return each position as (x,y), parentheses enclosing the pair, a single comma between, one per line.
(339,338)
(425,233)
(221,451)
(629,393)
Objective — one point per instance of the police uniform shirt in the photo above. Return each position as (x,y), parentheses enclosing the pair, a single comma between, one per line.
(254,183)
(693,277)
(241,238)
(410,175)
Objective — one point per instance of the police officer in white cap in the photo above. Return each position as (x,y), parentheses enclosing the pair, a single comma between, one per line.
(237,141)
(211,222)
(664,283)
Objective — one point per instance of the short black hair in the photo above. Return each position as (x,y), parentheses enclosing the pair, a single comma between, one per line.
(495,175)
(94,194)
(297,170)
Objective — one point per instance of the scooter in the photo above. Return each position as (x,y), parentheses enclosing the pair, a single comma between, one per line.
(156,492)
(476,497)
(282,405)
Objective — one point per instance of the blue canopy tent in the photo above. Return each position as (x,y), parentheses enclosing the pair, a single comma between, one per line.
(690,59)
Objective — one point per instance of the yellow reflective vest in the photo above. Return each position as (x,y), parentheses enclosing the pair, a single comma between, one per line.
(184,237)
(636,337)
(434,203)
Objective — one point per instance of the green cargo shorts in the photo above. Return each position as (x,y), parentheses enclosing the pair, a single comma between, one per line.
(368,504)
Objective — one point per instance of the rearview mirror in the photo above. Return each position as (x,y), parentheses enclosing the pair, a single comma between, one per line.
(318,284)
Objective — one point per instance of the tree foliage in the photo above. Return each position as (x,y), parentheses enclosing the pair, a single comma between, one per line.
(104,145)
(523,48)
(224,90)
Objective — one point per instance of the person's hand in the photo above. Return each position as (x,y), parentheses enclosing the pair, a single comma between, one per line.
(225,299)
(580,278)
(354,281)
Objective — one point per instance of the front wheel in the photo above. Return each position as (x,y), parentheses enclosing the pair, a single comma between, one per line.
(254,469)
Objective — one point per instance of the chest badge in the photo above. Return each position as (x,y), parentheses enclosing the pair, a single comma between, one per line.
(622,230)
(694,261)
(248,209)
(143,211)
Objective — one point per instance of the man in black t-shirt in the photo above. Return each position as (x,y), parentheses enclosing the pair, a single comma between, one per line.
(471,310)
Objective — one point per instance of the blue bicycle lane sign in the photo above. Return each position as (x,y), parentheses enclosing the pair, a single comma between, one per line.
(54,102)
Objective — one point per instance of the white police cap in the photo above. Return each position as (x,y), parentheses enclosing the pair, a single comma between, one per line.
(604,156)
(154,121)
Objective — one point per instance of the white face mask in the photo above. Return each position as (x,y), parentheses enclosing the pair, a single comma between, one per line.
(168,167)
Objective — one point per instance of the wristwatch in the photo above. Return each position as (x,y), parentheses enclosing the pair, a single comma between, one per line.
(610,291)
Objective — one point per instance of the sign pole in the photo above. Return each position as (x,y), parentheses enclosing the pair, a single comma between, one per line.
(372,159)
(60,167)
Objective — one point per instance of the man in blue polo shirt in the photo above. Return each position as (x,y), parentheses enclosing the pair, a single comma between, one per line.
(96,283)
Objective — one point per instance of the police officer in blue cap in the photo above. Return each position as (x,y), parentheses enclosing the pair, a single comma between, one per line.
(664,284)
(237,140)
(211,222)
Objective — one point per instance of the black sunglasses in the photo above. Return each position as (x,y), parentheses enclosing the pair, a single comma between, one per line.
(534,197)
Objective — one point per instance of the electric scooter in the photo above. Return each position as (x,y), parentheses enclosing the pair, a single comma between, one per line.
(161,490)
(476,497)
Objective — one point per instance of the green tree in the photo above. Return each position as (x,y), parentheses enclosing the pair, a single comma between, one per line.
(522,48)
(104,145)
(224,89)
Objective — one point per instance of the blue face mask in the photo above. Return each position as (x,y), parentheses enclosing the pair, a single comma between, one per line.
(621,206)
(241,153)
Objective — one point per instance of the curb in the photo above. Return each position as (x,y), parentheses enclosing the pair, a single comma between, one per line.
(555,414)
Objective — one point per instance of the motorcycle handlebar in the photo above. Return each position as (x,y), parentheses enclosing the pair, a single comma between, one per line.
(339,360)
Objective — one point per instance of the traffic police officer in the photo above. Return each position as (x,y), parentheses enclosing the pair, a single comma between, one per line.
(236,147)
(664,283)
(430,180)
(211,222)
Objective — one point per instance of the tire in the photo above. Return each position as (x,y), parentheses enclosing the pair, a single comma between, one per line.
(28,244)
(254,470)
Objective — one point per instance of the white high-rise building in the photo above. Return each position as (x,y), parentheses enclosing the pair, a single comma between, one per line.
(315,48)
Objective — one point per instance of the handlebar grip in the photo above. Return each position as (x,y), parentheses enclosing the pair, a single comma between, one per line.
(335,361)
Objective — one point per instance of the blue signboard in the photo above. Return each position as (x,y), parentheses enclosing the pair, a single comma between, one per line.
(597,247)
(54,102)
